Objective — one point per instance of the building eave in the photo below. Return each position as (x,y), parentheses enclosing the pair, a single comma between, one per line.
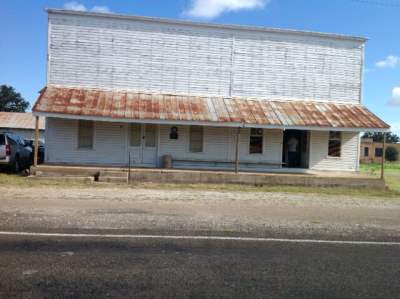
(206,123)
(209,25)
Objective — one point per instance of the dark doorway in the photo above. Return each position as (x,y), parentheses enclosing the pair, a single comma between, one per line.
(296,148)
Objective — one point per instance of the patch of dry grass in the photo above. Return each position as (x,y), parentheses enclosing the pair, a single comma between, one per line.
(20,181)
(23,181)
(358,192)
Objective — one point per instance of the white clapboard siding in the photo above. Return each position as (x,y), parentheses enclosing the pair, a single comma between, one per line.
(110,147)
(107,52)
(220,144)
(62,143)
(216,144)
(319,159)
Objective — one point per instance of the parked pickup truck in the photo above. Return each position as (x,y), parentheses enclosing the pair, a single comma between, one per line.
(31,143)
(15,155)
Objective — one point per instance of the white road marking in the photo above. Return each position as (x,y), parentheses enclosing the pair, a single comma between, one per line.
(29,272)
(175,237)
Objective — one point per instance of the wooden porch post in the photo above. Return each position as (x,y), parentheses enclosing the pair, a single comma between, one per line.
(237,151)
(36,150)
(383,156)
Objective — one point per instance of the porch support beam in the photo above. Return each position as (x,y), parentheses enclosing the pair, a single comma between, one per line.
(36,149)
(383,156)
(237,150)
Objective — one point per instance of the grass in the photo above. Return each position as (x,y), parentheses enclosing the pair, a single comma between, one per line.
(22,181)
(392,173)
(392,177)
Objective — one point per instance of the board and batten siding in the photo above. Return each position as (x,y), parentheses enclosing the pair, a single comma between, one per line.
(134,54)
(319,160)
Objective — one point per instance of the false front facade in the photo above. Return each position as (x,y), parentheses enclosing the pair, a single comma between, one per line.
(126,90)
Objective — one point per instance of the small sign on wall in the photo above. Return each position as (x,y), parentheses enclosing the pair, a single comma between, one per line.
(173,134)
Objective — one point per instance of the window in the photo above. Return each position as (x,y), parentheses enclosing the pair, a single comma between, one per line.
(366,151)
(196,139)
(256,141)
(85,134)
(2,139)
(150,135)
(135,133)
(335,144)
(378,152)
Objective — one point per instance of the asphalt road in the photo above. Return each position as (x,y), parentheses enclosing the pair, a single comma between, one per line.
(60,267)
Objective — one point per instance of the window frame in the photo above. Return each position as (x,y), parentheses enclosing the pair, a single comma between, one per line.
(262,141)
(202,140)
(154,126)
(79,147)
(366,151)
(340,139)
(381,152)
(130,135)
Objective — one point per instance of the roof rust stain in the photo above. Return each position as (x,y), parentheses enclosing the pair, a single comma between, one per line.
(147,106)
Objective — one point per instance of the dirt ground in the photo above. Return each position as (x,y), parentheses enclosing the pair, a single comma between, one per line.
(203,212)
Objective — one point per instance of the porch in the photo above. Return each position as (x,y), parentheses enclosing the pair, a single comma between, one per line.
(121,128)
(118,144)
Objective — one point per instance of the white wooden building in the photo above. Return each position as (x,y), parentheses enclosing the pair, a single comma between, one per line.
(129,90)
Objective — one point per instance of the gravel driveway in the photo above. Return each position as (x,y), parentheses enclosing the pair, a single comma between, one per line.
(193,211)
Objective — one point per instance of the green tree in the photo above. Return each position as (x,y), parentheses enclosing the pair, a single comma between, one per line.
(12,101)
(378,137)
(391,154)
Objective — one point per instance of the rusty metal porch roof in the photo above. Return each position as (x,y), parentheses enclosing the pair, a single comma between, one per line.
(18,120)
(107,105)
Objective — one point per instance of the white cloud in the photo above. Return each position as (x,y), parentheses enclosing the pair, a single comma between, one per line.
(102,9)
(81,7)
(209,9)
(75,6)
(389,62)
(395,100)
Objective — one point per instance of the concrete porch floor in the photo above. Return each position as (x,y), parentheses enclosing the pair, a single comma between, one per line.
(157,175)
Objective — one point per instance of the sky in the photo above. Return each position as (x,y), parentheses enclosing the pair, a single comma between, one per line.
(23,31)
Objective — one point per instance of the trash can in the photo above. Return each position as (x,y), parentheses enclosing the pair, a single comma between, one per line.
(167,161)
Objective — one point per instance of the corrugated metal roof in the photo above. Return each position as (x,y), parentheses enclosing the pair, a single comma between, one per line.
(144,106)
(15,120)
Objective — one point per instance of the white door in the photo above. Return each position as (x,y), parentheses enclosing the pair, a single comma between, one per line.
(143,145)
